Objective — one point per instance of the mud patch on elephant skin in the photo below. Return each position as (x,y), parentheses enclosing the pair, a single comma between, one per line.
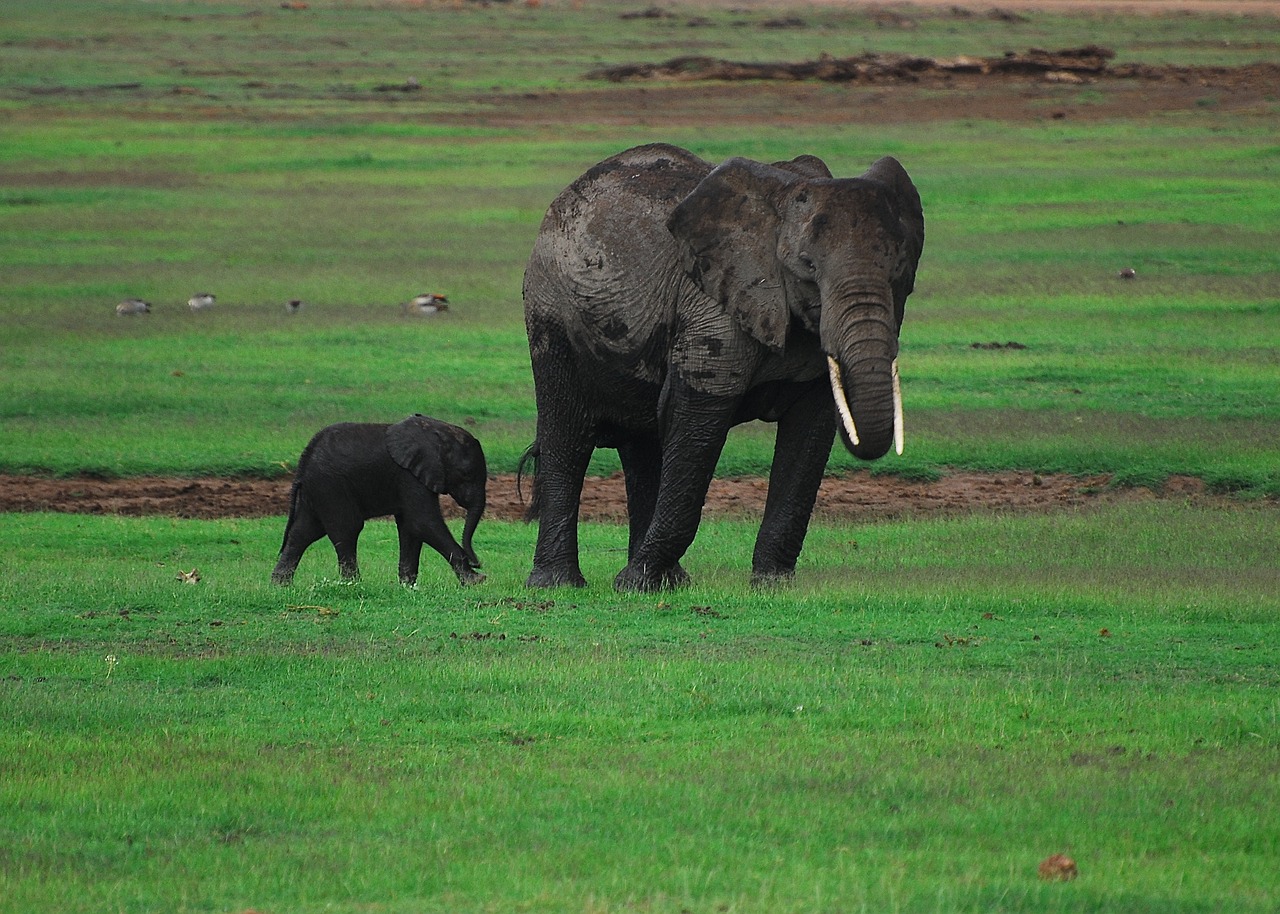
(855,497)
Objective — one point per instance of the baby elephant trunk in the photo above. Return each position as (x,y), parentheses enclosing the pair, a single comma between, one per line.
(468,531)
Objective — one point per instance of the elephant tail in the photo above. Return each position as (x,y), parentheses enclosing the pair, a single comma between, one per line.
(529,457)
(294,495)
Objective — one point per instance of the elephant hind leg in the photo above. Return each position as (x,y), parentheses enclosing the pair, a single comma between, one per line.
(302,530)
(565,440)
(344,533)
(642,468)
(560,476)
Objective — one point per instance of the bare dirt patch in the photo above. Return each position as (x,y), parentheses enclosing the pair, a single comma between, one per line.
(883,90)
(858,496)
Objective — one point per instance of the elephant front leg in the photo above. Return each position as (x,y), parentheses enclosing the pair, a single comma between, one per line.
(410,553)
(428,527)
(805,434)
(690,454)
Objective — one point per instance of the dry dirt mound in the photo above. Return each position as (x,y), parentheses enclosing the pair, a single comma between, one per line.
(858,496)
(1069,65)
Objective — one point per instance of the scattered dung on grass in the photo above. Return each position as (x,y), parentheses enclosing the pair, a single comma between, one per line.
(1058,868)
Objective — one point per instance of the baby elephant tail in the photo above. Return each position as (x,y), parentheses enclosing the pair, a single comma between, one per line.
(530,456)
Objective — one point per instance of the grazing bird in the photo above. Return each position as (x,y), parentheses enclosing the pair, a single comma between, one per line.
(428,303)
(293,305)
(132,306)
(1128,273)
(201,300)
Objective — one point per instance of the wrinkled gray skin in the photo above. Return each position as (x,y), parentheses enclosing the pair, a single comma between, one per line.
(667,301)
(351,472)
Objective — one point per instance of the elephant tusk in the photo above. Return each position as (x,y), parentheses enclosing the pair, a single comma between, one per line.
(842,405)
(897,410)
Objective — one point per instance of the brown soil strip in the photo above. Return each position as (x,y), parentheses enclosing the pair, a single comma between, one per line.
(858,496)
(1069,65)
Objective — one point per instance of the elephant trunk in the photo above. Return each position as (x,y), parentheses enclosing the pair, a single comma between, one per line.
(469,529)
(859,335)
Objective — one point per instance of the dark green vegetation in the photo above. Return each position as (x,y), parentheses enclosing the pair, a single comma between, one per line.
(932,709)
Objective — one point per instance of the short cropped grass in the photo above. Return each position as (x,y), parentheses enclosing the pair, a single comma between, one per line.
(1183,354)
(927,713)
(161,149)
(933,706)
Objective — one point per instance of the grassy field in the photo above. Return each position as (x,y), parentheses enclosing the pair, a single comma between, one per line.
(934,707)
(274,170)
(913,727)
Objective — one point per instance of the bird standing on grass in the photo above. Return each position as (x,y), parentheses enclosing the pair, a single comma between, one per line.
(201,300)
(132,306)
(428,303)
(293,305)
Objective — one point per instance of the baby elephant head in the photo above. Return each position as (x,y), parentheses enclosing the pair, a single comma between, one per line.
(448,461)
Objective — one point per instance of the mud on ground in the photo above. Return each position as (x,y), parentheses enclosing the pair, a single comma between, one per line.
(855,497)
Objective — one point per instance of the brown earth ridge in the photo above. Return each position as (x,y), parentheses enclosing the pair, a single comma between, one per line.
(1068,65)
(852,497)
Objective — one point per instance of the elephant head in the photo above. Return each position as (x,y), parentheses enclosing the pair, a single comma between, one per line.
(785,244)
(447,461)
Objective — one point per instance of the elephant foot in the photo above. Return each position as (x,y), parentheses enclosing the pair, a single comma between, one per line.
(282,579)
(546,578)
(776,578)
(643,579)
(469,577)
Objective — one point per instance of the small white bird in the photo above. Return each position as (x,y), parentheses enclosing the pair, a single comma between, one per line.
(428,303)
(132,306)
(293,305)
(201,300)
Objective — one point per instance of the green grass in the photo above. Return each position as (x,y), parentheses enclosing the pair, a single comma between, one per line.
(931,710)
(278,172)
(1183,352)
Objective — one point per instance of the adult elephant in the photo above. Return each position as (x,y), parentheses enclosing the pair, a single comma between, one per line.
(667,300)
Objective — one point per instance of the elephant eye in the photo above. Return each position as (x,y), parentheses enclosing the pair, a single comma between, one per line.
(807,261)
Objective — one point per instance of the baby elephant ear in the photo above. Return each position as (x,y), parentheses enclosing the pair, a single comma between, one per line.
(727,233)
(419,445)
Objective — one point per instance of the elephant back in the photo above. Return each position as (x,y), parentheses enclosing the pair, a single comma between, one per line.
(601,270)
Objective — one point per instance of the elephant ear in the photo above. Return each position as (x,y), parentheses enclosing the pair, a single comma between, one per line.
(726,230)
(420,445)
(889,172)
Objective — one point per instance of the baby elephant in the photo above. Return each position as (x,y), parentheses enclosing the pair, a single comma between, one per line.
(354,471)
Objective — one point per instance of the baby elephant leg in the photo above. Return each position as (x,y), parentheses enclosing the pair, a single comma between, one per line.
(410,552)
(302,529)
(426,525)
(344,532)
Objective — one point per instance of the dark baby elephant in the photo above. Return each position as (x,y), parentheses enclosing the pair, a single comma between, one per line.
(351,472)
(667,300)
